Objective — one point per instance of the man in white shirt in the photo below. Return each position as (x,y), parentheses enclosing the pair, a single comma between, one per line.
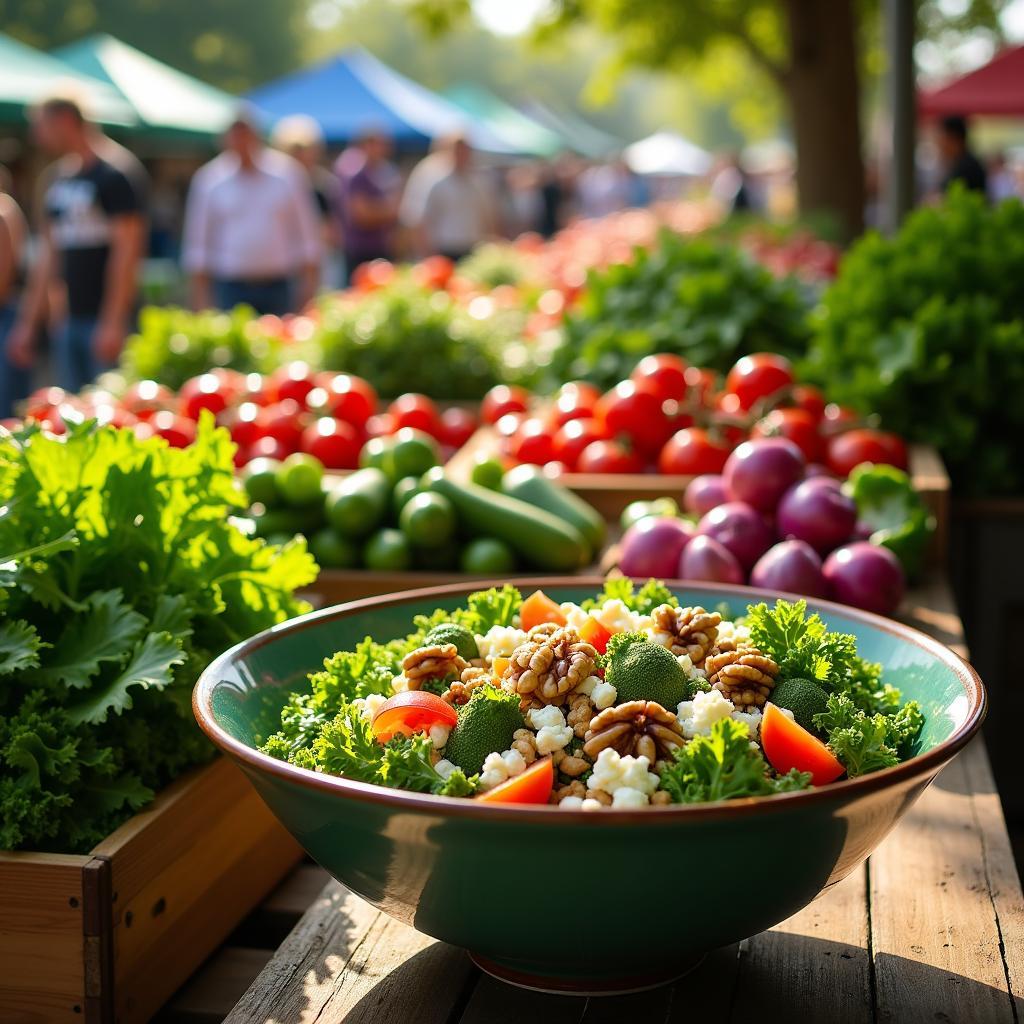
(251,232)
(445,207)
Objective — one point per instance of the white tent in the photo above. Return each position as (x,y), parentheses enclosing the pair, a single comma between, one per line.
(667,154)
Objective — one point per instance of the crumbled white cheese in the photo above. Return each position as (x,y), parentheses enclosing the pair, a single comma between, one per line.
(751,719)
(617,618)
(515,763)
(574,615)
(590,804)
(686,664)
(499,642)
(370,704)
(587,686)
(500,767)
(400,684)
(444,768)
(613,772)
(439,735)
(603,695)
(626,796)
(698,715)
(571,803)
(729,631)
(548,715)
(660,637)
(552,738)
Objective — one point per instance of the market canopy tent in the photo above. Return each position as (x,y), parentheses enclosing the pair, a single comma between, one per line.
(28,76)
(578,135)
(996,89)
(667,154)
(354,91)
(521,133)
(165,101)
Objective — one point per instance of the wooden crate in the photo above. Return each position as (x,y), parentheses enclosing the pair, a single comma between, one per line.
(107,936)
(610,493)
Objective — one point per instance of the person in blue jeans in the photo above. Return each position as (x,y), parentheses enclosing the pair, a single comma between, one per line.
(15,381)
(91,243)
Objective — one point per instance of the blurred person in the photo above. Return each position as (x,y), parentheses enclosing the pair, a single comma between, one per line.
(15,380)
(524,199)
(447,209)
(91,244)
(251,231)
(370,195)
(552,197)
(1002,182)
(609,187)
(731,186)
(959,162)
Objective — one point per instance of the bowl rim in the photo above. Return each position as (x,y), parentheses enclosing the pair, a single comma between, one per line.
(456,807)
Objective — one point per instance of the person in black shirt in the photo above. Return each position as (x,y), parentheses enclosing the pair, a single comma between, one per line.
(91,237)
(959,162)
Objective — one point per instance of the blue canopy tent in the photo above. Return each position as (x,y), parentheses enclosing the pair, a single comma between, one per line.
(354,91)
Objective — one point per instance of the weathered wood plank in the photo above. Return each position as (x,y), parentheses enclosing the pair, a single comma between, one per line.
(494,1002)
(216,986)
(817,958)
(934,932)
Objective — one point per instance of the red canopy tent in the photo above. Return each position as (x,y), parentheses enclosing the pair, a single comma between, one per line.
(996,89)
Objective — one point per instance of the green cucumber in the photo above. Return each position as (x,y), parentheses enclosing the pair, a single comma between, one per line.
(358,505)
(528,483)
(538,537)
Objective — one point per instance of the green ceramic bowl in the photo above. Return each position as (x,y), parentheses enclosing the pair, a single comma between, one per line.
(505,882)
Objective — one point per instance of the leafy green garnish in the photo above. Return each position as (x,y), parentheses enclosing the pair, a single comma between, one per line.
(724,766)
(867,742)
(347,675)
(652,594)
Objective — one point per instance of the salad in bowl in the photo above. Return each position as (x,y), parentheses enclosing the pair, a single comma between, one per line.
(467,758)
(628,699)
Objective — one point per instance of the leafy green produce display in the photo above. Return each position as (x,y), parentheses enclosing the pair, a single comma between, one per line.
(411,339)
(926,329)
(706,302)
(173,344)
(121,576)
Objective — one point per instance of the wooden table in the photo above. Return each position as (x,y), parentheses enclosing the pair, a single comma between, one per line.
(930,929)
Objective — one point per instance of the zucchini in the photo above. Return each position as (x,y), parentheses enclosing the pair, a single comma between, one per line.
(528,483)
(538,537)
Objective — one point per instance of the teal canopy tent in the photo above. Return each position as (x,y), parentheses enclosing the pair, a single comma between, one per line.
(522,133)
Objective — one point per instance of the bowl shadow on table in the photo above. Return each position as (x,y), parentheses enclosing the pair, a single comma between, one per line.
(781,980)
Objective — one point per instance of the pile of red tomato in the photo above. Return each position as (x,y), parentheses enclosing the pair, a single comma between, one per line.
(294,409)
(672,418)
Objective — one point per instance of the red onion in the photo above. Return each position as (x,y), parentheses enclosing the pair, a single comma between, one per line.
(704,493)
(739,528)
(652,547)
(705,559)
(818,513)
(866,576)
(759,472)
(793,566)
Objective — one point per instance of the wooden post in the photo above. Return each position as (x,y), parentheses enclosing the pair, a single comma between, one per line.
(899,184)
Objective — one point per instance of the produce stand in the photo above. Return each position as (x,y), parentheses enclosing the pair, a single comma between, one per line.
(109,935)
(610,493)
(932,928)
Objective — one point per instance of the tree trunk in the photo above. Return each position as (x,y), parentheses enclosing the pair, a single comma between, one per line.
(821,84)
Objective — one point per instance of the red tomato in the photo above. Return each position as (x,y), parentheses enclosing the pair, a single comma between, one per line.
(293,380)
(268,448)
(380,425)
(344,396)
(533,442)
(334,442)
(509,424)
(412,410)
(145,398)
(233,381)
(798,425)
(368,277)
(283,422)
(788,745)
(433,272)
(539,609)
(257,389)
(503,399)
(585,391)
(457,426)
(838,418)
(810,399)
(203,392)
(177,431)
(410,712)
(245,423)
(664,374)
(853,447)
(571,438)
(693,452)
(530,787)
(630,409)
(701,383)
(572,405)
(759,376)
(114,416)
(593,633)
(44,399)
(608,457)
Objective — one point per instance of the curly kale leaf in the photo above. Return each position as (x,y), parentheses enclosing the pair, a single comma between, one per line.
(724,766)
(868,742)
(643,601)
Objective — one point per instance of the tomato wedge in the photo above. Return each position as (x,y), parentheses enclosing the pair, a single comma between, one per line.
(537,609)
(410,712)
(593,633)
(789,745)
(530,787)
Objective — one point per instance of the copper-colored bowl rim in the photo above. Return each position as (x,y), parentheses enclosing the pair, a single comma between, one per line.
(403,800)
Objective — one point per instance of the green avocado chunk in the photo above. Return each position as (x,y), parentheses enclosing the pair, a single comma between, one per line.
(804,698)
(485,725)
(453,633)
(640,669)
